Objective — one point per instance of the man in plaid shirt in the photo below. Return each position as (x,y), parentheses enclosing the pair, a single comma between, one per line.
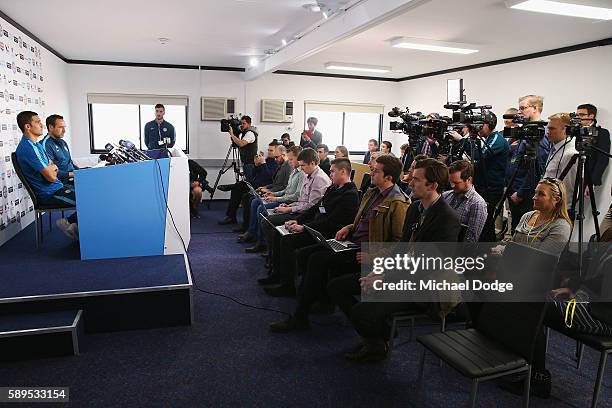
(463,198)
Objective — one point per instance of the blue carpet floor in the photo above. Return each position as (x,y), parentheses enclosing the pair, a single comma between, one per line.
(228,357)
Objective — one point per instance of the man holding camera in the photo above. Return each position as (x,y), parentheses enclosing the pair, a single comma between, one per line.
(561,152)
(490,153)
(527,175)
(159,133)
(246,141)
(597,162)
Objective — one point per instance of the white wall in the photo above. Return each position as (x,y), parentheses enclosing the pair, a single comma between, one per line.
(565,81)
(15,202)
(205,139)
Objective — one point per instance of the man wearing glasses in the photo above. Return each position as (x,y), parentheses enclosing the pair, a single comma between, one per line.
(561,152)
(597,162)
(522,189)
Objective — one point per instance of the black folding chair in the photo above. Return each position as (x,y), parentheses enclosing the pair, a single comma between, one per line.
(39,209)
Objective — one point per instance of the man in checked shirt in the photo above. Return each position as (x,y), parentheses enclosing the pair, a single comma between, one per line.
(463,198)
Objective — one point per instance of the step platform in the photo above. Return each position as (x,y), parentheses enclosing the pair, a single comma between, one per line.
(40,335)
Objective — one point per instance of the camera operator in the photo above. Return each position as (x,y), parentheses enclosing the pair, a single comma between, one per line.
(286,141)
(429,146)
(597,162)
(510,123)
(489,153)
(561,152)
(522,189)
(246,142)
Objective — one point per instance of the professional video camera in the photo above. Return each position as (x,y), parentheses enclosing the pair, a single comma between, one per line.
(530,131)
(233,122)
(464,115)
(586,136)
(410,124)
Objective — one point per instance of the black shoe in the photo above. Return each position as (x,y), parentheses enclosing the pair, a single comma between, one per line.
(255,249)
(288,325)
(239,229)
(247,238)
(227,221)
(225,187)
(372,351)
(270,280)
(194,213)
(541,383)
(280,291)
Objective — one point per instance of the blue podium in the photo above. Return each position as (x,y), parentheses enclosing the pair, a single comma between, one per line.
(134,209)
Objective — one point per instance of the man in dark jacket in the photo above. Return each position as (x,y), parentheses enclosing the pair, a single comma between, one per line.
(311,137)
(430,219)
(336,208)
(197,177)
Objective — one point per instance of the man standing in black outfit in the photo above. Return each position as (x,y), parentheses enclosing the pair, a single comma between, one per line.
(597,162)
(336,209)
(430,219)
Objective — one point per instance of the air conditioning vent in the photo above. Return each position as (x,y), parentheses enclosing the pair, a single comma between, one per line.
(214,108)
(276,110)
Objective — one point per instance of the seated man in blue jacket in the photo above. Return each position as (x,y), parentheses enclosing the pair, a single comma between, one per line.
(261,175)
(57,148)
(41,173)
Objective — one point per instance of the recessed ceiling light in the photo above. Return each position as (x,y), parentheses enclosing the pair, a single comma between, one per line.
(284,42)
(575,8)
(253,62)
(357,67)
(314,7)
(433,45)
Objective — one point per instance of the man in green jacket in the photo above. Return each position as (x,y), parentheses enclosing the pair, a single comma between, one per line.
(380,218)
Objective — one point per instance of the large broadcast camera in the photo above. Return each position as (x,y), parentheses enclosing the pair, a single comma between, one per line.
(231,122)
(410,125)
(531,131)
(464,115)
(585,136)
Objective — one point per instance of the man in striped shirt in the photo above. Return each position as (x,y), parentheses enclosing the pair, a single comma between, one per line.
(463,198)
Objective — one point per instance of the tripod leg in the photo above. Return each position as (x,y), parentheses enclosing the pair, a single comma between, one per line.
(587,179)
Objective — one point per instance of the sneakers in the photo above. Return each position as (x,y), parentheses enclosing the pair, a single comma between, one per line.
(372,350)
(71,230)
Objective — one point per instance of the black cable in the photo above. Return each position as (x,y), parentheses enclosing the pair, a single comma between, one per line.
(189,261)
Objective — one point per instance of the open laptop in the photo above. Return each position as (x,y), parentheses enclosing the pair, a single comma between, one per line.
(334,245)
(255,193)
(280,228)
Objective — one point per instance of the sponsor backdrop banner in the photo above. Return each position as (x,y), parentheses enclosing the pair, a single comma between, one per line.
(22,85)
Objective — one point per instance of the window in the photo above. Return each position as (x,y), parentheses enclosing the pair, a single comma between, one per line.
(350,125)
(114,117)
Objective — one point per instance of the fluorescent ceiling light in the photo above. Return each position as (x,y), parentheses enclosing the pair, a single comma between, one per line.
(284,42)
(433,45)
(325,15)
(586,9)
(357,67)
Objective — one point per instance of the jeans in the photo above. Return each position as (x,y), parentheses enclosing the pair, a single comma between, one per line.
(257,207)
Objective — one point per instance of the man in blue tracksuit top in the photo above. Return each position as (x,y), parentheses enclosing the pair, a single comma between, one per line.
(57,148)
(159,133)
(490,155)
(41,173)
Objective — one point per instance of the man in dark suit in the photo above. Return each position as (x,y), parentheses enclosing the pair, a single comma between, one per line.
(311,137)
(372,147)
(597,162)
(430,219)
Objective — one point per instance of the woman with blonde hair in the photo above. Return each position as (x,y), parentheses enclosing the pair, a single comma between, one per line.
(341,151)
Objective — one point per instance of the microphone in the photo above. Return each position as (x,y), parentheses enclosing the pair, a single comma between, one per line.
(130,147)
(117,153)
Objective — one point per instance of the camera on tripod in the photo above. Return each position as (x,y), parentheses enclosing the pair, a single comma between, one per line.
(410,124)
(531,131)
(585,136)
(232,122)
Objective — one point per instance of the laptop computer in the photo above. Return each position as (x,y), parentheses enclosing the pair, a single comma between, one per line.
(280,228)
(255,193)
(334,245)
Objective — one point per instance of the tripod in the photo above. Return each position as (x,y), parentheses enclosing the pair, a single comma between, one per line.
(583,177)
(227,164)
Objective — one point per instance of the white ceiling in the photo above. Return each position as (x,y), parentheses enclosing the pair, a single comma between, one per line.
(201,32)
(229,32)
(497,32)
